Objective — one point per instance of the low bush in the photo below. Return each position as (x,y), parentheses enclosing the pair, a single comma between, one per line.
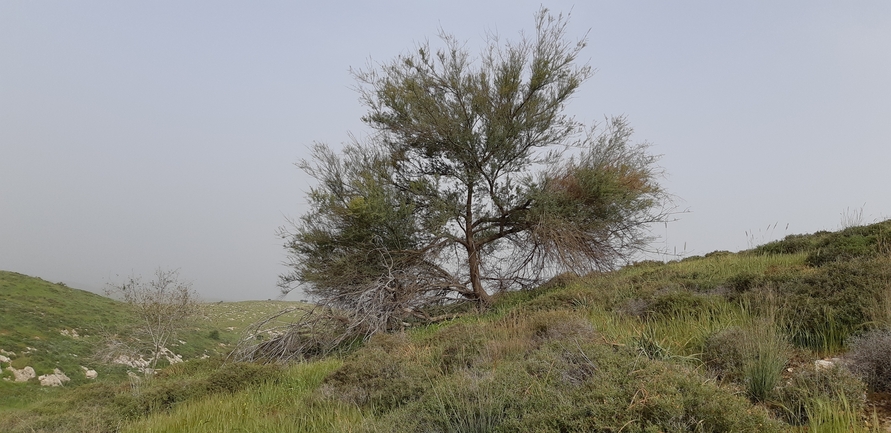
(851,243)
(564,387)
(753,356)
(380,376)
(822,308)
(870,358)
(724,353)
(792,244)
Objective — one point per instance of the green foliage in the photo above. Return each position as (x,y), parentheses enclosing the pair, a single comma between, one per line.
(463,192)
(582,387)
(793,244)
(851,243)
(824,247)
(838,416)
(380,376)
(725,353)
(824,307)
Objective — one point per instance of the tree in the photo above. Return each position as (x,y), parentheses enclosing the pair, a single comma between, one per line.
(163,306)
(474,181)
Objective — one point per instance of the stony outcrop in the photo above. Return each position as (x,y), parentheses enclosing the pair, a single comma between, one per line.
(57,378)
(22,375)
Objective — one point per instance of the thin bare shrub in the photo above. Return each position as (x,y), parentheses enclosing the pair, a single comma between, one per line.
(164,307)
(870,358)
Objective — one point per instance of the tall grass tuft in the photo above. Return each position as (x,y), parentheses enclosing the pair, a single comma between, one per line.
(837,416)
(768,354)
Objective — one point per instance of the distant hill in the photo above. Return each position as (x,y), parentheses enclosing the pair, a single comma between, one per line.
(46,325)
(50,325)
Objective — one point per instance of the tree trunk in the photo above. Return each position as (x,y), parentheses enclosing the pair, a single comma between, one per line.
(473,261)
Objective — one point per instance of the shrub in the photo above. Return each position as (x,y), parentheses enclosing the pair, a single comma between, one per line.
(870,358)
(754,357)
(379,376)
(743,282)
(676,303)
(239,375)
(573,388)
(851,243)
(791,244)
(724,353)
(560,325)
(835,386)
(824,307)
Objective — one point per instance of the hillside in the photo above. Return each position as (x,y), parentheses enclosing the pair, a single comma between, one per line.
(48,326)
(790,336)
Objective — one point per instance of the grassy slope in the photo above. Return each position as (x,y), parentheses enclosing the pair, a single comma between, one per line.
(704,344)
(34,312)
(681,346)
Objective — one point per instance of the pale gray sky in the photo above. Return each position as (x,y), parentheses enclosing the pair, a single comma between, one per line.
(134,136)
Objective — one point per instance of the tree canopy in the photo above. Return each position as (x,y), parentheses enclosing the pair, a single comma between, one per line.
(473,181)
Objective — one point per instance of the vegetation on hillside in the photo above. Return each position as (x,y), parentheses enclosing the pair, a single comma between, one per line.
(723,342)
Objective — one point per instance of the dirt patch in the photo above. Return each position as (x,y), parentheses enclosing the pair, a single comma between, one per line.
(880,404)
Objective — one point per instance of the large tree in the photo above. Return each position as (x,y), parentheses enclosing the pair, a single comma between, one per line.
(473,181)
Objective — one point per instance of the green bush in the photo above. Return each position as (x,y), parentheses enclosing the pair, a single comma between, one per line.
(851,243)
(566,386)
(825,306)
(792,244)
(188,381)
(679,303)
(379,376)
(232,377)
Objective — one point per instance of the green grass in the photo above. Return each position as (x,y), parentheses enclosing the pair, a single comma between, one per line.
(724,342)
(837,416)
(285,404)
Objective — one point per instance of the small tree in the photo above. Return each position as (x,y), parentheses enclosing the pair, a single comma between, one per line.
(474,182)
(164,307)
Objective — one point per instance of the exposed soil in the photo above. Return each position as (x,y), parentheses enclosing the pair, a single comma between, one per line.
(880,404)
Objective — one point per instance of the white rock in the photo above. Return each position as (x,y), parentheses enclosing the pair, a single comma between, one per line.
(131,361)
(822,364)
(90,374)
(22,375)
(4,358)
(56,379)
(69,333)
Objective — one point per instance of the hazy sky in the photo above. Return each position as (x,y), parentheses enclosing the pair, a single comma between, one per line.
(134,136)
